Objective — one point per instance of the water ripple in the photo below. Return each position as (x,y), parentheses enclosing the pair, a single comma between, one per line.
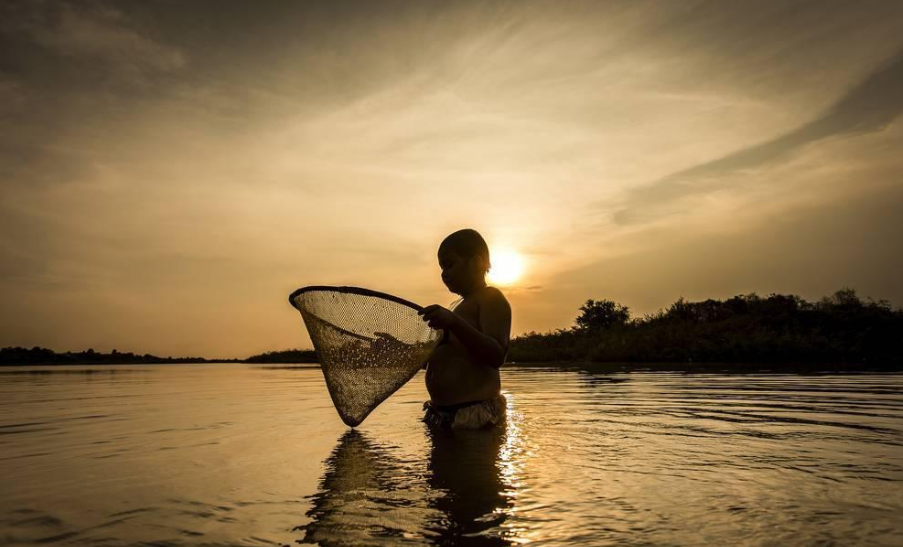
(237,455)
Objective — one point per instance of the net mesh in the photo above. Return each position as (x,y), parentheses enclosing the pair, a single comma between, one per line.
(369,344)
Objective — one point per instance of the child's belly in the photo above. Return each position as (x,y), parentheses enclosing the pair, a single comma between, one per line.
(452,378)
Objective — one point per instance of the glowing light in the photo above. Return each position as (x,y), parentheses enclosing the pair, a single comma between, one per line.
(507,266)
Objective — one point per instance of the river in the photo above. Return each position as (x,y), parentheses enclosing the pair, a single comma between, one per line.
(233,454)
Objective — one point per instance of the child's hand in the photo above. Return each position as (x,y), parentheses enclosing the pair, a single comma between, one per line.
(438,317)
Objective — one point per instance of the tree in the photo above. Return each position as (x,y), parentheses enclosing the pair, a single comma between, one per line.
(596,315)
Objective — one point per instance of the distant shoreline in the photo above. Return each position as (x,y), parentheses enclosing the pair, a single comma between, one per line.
(704,368)
(37,356)
(40,357)
(590,367)
(745,333)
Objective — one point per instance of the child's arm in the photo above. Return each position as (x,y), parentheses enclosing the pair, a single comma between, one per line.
(489,346)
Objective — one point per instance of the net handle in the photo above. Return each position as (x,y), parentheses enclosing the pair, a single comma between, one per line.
(353,290)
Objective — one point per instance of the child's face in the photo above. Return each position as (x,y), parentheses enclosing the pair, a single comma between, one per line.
(459,274)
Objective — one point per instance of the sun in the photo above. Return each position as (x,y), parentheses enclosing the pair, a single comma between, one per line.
(507,266)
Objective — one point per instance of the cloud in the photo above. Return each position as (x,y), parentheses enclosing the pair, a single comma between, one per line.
(811,249)
(92,32)
(869,107)
(522,289)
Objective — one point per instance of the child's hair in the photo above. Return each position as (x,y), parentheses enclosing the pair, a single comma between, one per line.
(466,243)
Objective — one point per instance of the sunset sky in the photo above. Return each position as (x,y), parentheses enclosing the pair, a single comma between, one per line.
(171,171)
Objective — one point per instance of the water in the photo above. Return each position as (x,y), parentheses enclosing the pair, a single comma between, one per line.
(249,455)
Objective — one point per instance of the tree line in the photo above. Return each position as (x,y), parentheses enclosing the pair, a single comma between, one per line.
(841,328)
(838,329)
(44,356)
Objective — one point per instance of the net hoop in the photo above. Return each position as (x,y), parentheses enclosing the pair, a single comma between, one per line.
(352,290)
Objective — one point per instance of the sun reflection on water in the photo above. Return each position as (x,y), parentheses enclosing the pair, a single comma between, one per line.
(512,459)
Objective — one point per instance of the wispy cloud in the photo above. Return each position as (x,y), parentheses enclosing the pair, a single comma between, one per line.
(92,32)
(869,107)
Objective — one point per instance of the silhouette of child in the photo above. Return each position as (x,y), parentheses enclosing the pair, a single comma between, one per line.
(462,374)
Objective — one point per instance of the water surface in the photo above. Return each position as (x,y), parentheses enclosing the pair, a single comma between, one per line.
(252,455)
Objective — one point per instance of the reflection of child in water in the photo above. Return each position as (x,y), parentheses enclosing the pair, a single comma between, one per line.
(369,494)
(462,375)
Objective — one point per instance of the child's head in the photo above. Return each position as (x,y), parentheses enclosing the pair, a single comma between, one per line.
(464,259)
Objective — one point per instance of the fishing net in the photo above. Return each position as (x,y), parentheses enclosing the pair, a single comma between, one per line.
(369,344)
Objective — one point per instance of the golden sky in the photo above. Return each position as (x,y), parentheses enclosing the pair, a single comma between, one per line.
(170,172)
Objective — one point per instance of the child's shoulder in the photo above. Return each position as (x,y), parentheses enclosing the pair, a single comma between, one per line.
(491,296)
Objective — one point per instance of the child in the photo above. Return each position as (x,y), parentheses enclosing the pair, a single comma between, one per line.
(462,375)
